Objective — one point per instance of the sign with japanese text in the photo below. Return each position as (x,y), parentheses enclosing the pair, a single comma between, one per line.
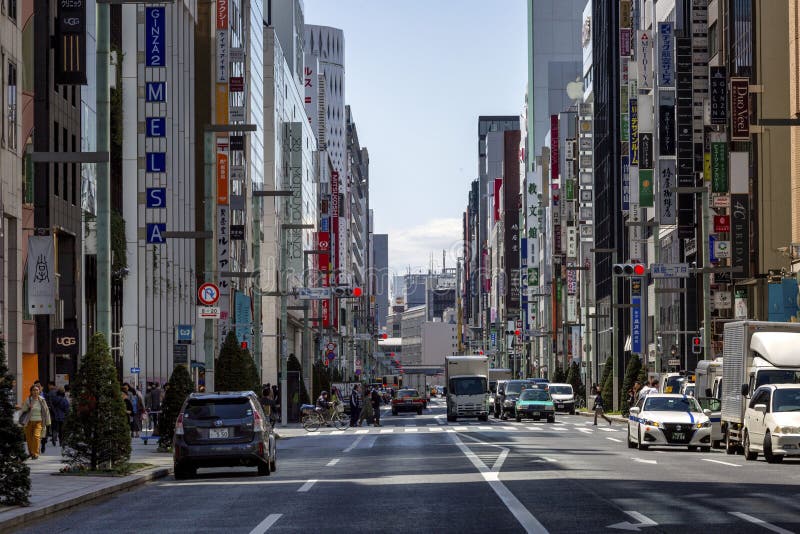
(666,123)
(633,135)
(625,42)
(646,151)
(719,167)
(646,188)
(626,183)
(554,148)
(666,48)
(665,195)
(722,223)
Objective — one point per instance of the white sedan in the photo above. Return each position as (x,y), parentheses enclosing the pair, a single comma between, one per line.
(669,420)
(772,423)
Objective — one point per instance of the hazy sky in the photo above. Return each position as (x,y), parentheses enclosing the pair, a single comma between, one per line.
(418,73)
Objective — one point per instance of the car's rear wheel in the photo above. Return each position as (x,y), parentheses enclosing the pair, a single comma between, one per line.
(519,418)
(419,412)
(184,471)
(692,448)
(483,417)
(705,449)
(748,454)
(730,446)
(394,412)
(768,455)
(551,419)
(263,469)
(572,412)
(452,418)
(273,463)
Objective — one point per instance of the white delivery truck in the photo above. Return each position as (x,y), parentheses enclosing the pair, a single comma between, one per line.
(467,387)
(708,390)
(754,353)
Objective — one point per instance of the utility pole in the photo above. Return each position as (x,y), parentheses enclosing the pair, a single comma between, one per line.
(209,328)
(103,174)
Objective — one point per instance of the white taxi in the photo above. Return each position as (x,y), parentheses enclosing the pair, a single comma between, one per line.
(772,423)
(669,420)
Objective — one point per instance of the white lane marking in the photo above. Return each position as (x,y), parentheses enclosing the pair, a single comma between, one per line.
(508,427)
(412,429)
(500,459)
(643,461)
(362,431)
(660,452)
(484,428)
(337,432)
(460,428)
(307,486)
(761,523)
(525,518)
(606,429)
(436,429)
(615,439)
(584,430)
(354,444)
(333,462)
(721,462)
(266,523)
(387,430)
(549,459)
(643,521)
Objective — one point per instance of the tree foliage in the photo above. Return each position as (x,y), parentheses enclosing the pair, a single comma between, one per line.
(559,376)
(631,375)
(15,475)
(97,431)
(574,379)
(293,364)
(235,369)
(179,386)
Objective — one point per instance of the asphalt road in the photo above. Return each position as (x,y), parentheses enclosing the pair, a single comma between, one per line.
(421,474)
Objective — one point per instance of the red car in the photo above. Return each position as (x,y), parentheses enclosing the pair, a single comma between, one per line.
(407,400)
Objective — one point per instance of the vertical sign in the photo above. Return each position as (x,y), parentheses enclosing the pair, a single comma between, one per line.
(646,188)
(666,198)
(685,147)
(666,66)
(625,42)
(221,53)
(719,167)
(740,235)
(554,149)
(41,275)
(633,113)
(718,79)
(644,53)
(636,315)
(740,109)
(666,123)
(645,150)
(70,42)
(626,184)
(223,215)
(155,37)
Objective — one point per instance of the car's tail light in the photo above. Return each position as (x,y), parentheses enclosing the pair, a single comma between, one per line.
(179,426)
(258,423)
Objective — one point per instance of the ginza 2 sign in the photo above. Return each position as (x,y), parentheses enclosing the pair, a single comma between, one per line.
(740,109)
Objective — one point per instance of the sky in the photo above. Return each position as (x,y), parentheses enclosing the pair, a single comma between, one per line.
(418,73)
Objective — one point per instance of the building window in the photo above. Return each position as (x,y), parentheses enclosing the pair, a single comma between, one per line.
(712,40)
(11,106)
(76,178)
(12,10)
(64,168)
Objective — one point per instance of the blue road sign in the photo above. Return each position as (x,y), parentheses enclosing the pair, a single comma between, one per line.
(156,197)
(135,370)
(155,233)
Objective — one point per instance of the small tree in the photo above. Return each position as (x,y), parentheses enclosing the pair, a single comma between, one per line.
(293,364)
(96,430)
(15,475)
(235,370)
(558,374)
(631,373)
(607,384)
(179,387)
(574,379)
(322,378)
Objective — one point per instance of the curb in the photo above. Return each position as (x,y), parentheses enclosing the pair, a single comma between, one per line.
(24,515)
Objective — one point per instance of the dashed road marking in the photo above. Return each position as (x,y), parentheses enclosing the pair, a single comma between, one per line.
(307,486)
(614,439)
(333,462)
(721,462)
(761,523)
(411,429)
(264,526)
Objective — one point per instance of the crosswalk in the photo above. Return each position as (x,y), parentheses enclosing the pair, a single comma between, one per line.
(433,428)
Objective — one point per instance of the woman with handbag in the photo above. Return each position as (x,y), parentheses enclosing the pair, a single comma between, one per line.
(35,418)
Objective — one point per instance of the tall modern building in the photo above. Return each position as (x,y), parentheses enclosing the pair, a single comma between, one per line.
(159,184)
(380,277)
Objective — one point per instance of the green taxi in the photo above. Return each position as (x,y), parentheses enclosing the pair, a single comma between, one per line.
(537,404)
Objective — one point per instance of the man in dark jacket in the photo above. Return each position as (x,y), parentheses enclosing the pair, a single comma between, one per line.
(59,408)
(356,401)
(375,398)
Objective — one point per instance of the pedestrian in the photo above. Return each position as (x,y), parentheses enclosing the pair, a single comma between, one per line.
(43,396)
(35,418)
(336,400)
(366,410)
(637,386)
(154,399)
(266,401)
(60,409)
(375,398)
(355,405)
(137,404)
(651,387)
(598,407)
(126,398)
(66,392)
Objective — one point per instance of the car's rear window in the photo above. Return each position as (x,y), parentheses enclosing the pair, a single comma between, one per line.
(407,393)
(237,408)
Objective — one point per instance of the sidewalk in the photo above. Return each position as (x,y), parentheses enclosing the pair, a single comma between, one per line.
(51,492)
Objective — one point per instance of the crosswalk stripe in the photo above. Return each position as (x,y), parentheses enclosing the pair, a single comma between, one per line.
(387,430)
(337,432)
(412,429)
(362,431)
(436,429)
(459,428)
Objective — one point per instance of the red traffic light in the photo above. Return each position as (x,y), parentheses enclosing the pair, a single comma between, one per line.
(517,332)
(638,269)
(384,336)
(356,291)
(244,344)
(696,341)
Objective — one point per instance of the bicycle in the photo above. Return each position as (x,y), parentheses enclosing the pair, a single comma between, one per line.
(313,418)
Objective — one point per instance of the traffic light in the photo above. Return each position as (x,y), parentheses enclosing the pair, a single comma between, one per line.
(697,345)
(629,269)
(346,292)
